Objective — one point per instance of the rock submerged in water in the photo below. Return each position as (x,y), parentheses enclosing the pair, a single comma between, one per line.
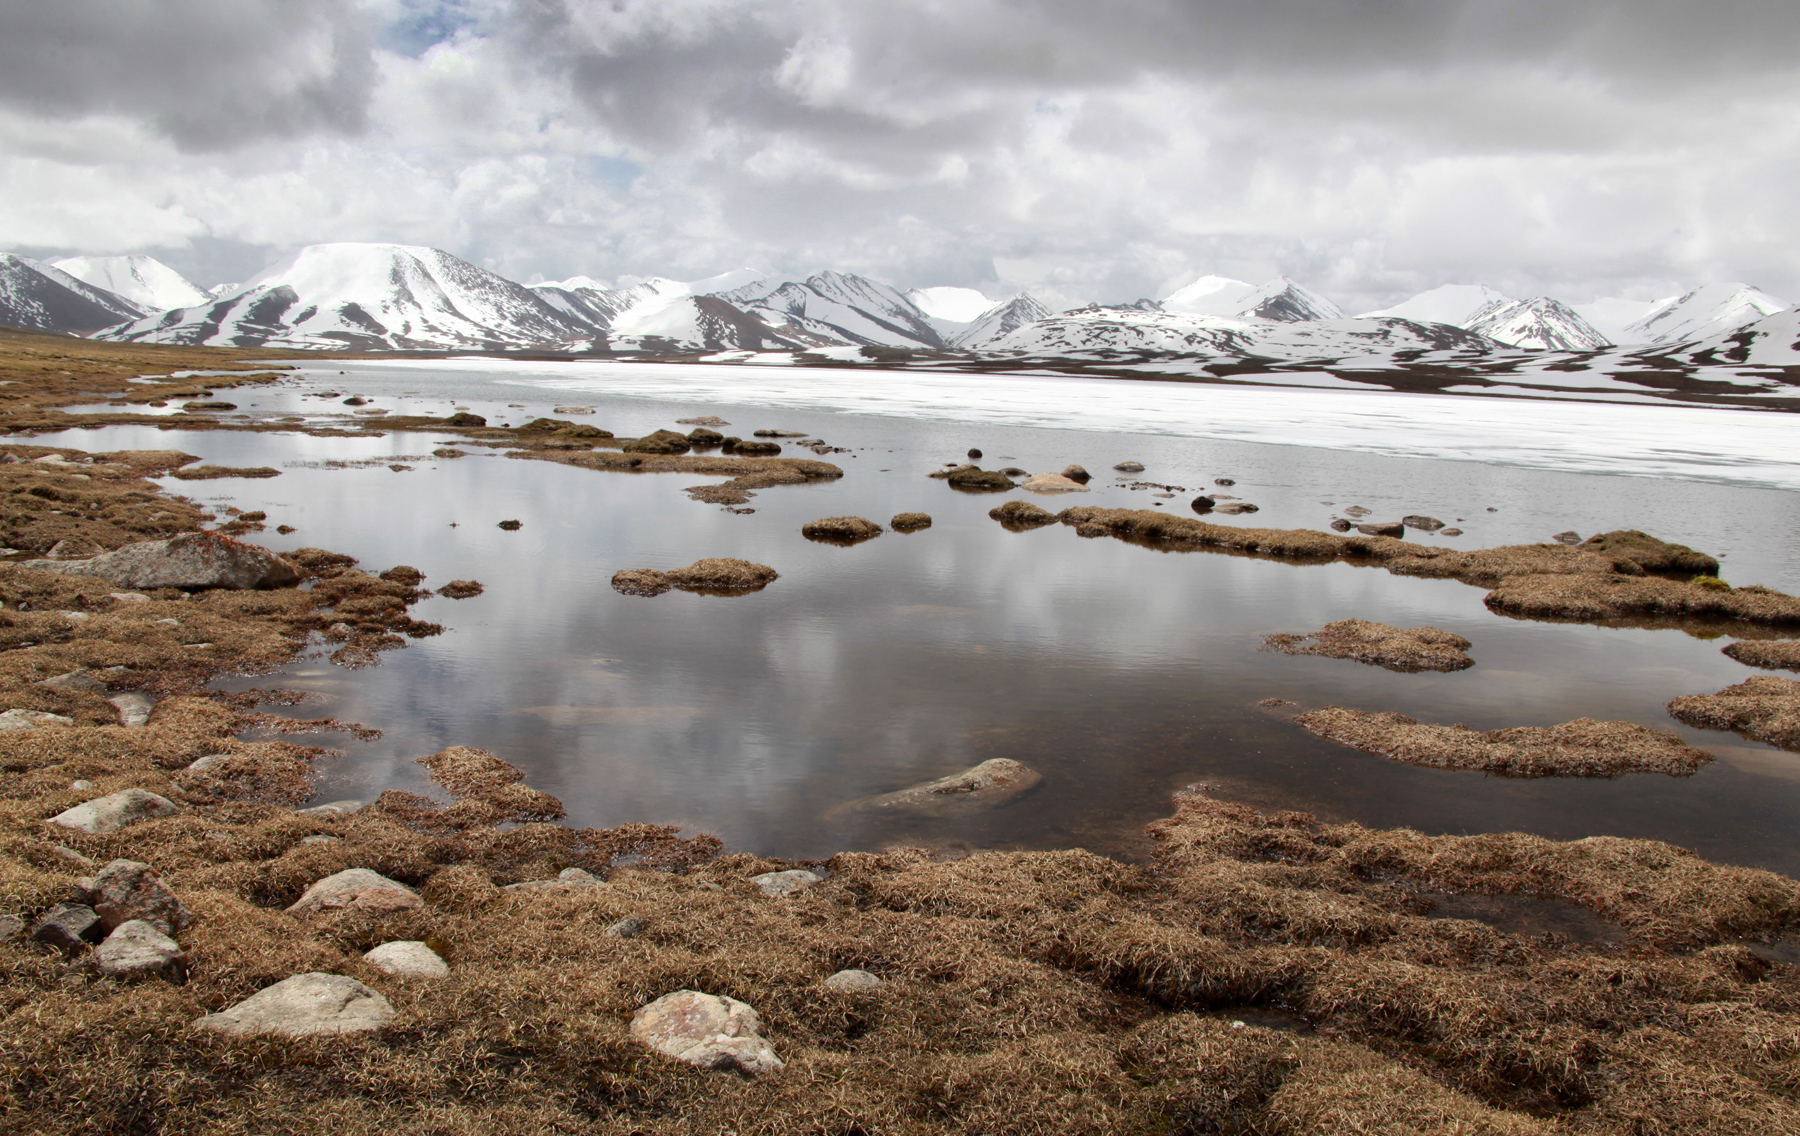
(1076,473)
(1130,467)
(1421,522)
(1382,528)
(191,561)
(707,1030)
(995,782)
(304,1006)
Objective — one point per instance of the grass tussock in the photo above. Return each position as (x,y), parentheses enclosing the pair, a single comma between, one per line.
(1392,648)
(213,472)
(721,575)
(910,522)
(1022,516)
(1762,707)
(1604,597)
(1581,748)
(1768,653)
(840,530)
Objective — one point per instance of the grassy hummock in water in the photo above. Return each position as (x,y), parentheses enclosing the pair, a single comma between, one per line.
(1582,748)
(1762,707)
(711,576)
(840,530)
(1393,648)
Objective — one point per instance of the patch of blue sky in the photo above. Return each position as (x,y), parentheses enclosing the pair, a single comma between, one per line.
(413,27)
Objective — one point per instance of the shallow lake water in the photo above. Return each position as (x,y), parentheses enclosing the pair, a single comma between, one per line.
(1119,672)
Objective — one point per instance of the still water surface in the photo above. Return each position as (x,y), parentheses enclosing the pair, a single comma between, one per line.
(1121,673)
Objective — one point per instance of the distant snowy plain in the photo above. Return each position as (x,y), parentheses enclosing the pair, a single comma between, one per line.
(1736,447)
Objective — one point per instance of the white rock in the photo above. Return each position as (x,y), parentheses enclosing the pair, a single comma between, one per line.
(786,883)
(304,1005)
(191,560)
(128,597)
(200,764)
(81,785)
(114,811)
(79,679)
(74,616)
(134,708)
(853,981)
(137,947)
(1052,483)
(331,809)
(359,888)
(32,719)
(708,1030)
(407,958)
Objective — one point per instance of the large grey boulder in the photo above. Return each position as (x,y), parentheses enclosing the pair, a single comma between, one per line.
(191,561)
(360,889)
(708,1030)
(114,811)
(126,891)
(302,1006)
(408,958)
(138,948)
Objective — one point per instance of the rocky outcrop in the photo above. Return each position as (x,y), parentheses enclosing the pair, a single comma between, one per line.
(707,1030)
(304,1006)
(191,561)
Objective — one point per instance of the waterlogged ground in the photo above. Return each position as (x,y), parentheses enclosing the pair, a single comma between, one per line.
(1119,672)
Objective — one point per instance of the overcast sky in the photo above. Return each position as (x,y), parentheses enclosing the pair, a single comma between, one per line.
(1081,149)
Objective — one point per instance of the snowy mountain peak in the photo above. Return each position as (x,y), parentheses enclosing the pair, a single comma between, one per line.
(1541,324)
(1001,320)
(1279,299)
(1454,304)
(144,280)
(958,305)
(1708,311)
(43,297)
(367,296)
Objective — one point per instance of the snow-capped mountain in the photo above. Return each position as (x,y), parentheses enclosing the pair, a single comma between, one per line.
(1279,299)
(1611,315)
(365,296)
(1454,304)
(144,280)
(1117,329)
(1540,324)
(957,305)
(841,306)
(1000,321)
(42,297)
(584,298)
(220,291)
(1705,312)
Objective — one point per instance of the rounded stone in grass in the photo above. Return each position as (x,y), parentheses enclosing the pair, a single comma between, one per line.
(303,1006)
(710,1031)
(407,958)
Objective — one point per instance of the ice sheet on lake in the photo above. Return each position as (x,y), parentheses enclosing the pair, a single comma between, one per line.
(1695,443)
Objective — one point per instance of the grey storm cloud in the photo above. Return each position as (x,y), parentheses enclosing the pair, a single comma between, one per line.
(209,74)
(1085,149)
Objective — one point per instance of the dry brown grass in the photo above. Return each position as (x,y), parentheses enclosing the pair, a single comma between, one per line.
(1762,707)
(840,530)
(722,575)
(1022,516)
(1605,597)
(1770,653)
(910,522)
(1582,748)
(1395,648)
(212,472)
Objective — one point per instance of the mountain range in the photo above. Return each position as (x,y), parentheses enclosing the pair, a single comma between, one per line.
(401,297)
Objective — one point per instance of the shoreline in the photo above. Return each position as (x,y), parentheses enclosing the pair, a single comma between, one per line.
(1024,991)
